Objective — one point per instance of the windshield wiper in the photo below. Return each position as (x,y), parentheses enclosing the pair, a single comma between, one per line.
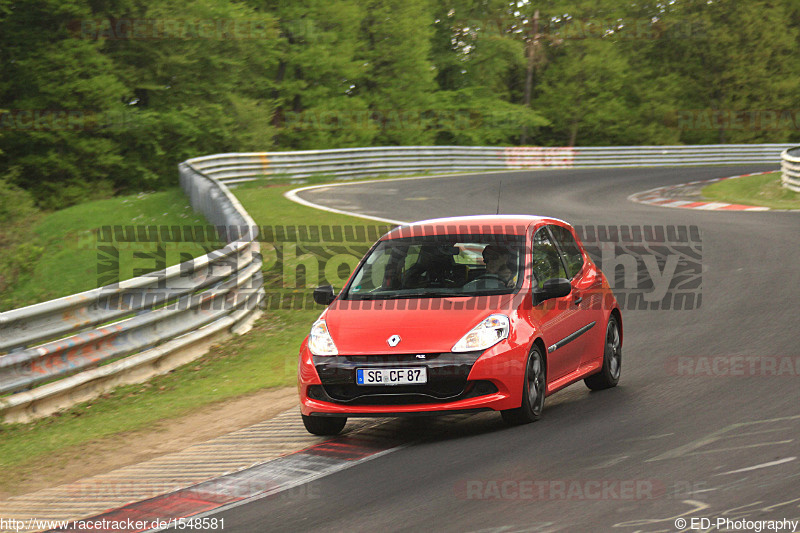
(378,296)
(406,295)
(442,294)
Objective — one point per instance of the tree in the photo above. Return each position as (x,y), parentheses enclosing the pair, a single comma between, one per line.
(317,105)
(198,80)
(397,79)
(479,56)
(57,92)
(737,64)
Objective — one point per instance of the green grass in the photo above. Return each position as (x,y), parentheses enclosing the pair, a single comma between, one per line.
(764,190)
(56,254)
(264,358)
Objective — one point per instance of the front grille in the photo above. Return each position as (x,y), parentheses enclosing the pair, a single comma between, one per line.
(354,395)
(447,379)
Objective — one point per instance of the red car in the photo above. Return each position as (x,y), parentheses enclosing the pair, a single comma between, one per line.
(458,315)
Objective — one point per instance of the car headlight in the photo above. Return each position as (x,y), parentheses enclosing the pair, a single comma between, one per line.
(320,341)
(485,335)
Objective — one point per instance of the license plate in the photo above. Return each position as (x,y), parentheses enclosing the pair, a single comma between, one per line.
(391,376)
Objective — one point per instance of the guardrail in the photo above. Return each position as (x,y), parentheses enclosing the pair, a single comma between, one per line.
(78,346)
(790,168)
(68,350)
(360,162)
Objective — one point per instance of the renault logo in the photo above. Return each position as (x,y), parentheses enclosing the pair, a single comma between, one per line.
(393,341)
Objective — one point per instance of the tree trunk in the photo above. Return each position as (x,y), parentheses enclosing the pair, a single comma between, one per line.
(573,133)
(530,48)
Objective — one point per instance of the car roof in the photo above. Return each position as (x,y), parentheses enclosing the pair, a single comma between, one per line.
(474,224)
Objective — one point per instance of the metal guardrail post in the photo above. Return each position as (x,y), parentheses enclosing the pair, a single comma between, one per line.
(790,168)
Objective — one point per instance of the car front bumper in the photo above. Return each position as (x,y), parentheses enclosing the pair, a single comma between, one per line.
(470,381)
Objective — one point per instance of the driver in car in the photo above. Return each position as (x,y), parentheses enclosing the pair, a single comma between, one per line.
(496,260)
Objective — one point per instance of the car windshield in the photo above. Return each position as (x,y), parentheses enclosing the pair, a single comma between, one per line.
(440,266)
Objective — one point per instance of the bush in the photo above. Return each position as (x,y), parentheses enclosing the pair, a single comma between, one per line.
(15,203)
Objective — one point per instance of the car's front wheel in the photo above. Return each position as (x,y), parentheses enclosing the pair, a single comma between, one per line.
(324,425)
(533,391)
(612,359)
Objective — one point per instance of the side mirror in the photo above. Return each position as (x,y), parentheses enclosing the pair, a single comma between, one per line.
(552,288)
(324,295)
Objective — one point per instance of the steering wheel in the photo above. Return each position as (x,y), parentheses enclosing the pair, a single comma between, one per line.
(492,277)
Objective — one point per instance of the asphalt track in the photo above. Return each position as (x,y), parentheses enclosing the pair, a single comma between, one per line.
(659,447)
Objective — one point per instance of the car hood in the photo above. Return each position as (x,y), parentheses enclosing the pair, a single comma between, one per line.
(425,325)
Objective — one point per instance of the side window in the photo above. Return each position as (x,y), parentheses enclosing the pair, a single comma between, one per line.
(572,252)
(547,263)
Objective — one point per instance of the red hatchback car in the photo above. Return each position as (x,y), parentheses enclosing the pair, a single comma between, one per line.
(457,315)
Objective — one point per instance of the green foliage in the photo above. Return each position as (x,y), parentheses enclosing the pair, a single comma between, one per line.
(92,104)
(734,64)
(312,84)
(20,247)
(467,119)
(51,255)
(397,75)
(16,203)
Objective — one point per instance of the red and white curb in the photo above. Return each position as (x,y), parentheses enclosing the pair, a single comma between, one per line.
(186,508)
(660,197)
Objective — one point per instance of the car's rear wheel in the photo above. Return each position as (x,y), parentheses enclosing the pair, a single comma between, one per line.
(533,391)
(324,425)
(612,359)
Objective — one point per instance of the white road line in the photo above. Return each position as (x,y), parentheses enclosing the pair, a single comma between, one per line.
(756,467)
(293,194)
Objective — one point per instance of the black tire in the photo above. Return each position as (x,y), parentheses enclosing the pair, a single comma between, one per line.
(612,359)
(534,389)
(324,425)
